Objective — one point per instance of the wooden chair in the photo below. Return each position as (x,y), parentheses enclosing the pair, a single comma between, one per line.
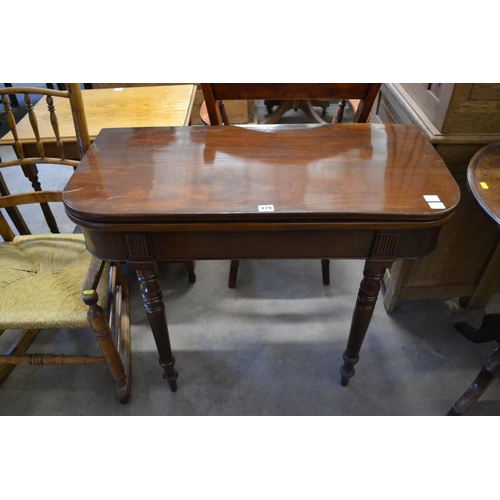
(358,96)
(50,280)
(31,172)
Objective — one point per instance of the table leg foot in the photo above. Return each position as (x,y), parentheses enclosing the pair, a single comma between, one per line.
(365,305)
(233,273)
(325,271)
(189,264)
(170,374)
(147,274)
(347,369)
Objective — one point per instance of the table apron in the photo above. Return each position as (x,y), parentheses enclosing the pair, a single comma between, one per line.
(150,245)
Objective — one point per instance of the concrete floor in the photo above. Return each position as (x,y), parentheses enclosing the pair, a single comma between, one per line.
(272,346)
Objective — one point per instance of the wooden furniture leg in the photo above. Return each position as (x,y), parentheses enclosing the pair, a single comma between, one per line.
(147,274)
(325,270)
(190,264)
(488,373)
(365,305)
(17,349)
(304,105)
(488,331)
(31,172)
(233,273)
(109,351)
(14,214)
(340,112)
(270,103)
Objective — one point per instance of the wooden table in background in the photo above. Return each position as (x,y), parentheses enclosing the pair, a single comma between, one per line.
(161,106)
(357,191)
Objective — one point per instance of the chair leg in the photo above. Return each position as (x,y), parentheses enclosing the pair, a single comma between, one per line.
(233,273)
(488,373)
(123,344)
(31,173)
(18,349)
(282,109)
(325,269)
(340,112)
(109,350)
(190,269)
(308,109)
(13,212)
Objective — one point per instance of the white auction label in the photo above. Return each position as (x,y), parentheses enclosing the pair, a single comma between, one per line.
(266,208)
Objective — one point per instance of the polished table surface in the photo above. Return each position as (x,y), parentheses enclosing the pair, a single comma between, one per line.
(168,105)
(363,191)
(483,180)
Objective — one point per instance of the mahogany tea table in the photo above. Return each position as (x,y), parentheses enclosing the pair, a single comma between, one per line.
(483,181)
(352,191)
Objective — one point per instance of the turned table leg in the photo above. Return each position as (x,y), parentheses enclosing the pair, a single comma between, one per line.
(365,305)
(147,274)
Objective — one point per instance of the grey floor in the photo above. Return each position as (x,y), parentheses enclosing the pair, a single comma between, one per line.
(272,346)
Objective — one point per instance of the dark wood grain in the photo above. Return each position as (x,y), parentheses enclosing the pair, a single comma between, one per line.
(359,98)
(352,191)
(483,180)
(363,94)
(322,173)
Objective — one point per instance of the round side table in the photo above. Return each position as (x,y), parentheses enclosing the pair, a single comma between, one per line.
(483,180)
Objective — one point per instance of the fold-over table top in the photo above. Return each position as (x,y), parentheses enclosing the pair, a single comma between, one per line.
(292,173)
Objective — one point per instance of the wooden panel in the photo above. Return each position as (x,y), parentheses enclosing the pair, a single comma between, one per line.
(435,89)
(222,91)
(434,103)
(479,112)
(457,156)
(438,292)
(486,91)
(461,109)
(486,123)
(388,110)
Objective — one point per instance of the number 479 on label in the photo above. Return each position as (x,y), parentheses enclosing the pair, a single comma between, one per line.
(266,208)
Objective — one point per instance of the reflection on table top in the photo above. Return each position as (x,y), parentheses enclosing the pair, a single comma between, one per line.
(167,105)
(331,173)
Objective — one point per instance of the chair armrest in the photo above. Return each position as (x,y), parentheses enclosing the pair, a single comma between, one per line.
(93,274)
